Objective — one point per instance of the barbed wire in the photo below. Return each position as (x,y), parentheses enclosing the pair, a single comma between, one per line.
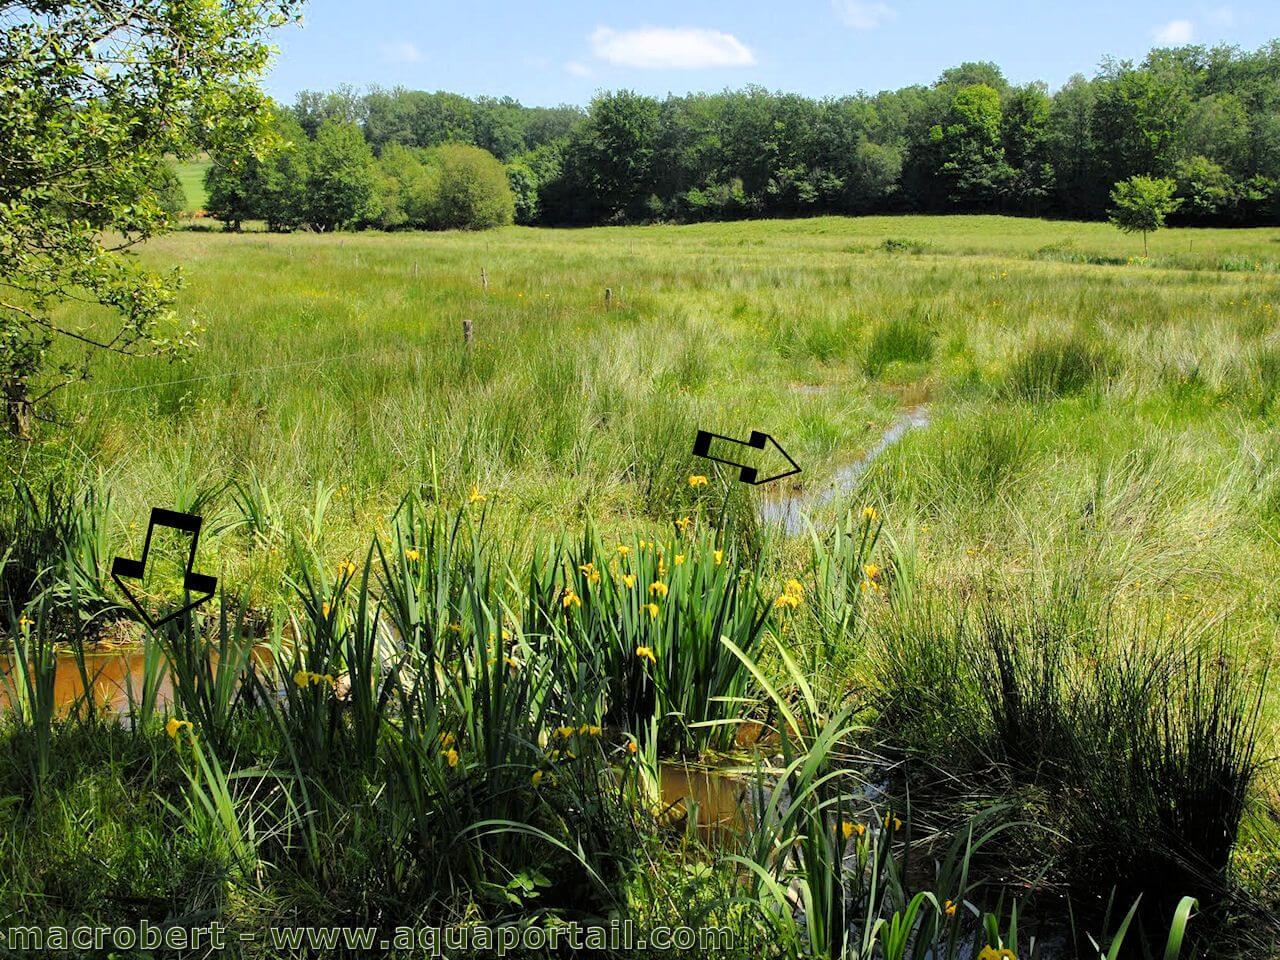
(240,372)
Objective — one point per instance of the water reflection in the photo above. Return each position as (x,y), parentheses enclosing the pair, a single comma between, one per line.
(112,674)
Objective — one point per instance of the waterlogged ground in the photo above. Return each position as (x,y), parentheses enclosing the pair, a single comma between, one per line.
(1086,410)
(1032,411)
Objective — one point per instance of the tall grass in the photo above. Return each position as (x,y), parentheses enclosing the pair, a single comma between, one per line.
(1058,366)
(53,541)
(899,340)
(1146,741)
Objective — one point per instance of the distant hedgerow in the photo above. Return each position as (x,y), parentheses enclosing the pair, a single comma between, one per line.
(903,245)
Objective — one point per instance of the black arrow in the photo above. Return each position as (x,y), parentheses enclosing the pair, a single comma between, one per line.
(746,474)
(135,569)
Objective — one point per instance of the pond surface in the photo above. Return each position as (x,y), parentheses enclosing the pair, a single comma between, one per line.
(717,798)
(112,674)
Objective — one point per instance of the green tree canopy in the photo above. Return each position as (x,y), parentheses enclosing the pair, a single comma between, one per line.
(340,180)
(283,193)
(267,184)
(970,141)
(1142,204)
(971,149)
(471,190)
(233,190)
(1139,123)
(609,160)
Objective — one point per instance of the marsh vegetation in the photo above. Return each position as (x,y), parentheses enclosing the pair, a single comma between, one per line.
(1008,683)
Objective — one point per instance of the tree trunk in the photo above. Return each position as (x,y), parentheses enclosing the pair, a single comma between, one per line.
(17,404)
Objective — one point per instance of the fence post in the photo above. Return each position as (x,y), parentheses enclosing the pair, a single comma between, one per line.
(467,333)
(484,279)
(608,297)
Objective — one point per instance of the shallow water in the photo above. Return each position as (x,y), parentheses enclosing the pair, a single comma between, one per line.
(718,799)
(112,674)
(788,510)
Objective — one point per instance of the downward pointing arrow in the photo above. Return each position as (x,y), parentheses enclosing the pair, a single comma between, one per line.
(746,473)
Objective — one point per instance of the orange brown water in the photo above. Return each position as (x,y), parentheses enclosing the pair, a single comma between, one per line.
(720,800)
(111,675)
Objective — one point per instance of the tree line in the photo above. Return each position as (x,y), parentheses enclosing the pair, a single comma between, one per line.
(1202,122)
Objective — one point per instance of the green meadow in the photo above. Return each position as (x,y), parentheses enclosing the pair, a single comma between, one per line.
(191,175)
(1038,622)
(340,361)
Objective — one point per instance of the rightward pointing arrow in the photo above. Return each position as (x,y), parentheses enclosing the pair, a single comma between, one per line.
(746,473)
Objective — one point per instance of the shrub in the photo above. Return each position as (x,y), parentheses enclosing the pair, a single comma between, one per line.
(524,191)
(471,190)
(903,245)
(716,201)
(405,187)
(1064,251)
(168,191)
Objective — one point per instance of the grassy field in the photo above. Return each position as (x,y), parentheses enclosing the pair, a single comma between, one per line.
(340,361)
(191,176)
(1069,571)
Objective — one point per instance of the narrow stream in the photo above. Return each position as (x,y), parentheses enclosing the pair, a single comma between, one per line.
(788,510)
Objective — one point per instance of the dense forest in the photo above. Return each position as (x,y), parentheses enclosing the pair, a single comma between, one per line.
(1207,119)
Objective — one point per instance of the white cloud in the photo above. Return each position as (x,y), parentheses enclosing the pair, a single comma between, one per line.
(864,14)
(578,69)
(1175,32)
(670,47)
(400,51)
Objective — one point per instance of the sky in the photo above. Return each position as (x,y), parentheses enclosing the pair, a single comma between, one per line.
(545,53)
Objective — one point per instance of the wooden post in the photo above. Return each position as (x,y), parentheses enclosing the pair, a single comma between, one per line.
(18,408)
(484,279)
(415,268)
(608,297)
(467,333)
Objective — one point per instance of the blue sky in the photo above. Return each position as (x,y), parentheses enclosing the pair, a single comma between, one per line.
(562,52)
